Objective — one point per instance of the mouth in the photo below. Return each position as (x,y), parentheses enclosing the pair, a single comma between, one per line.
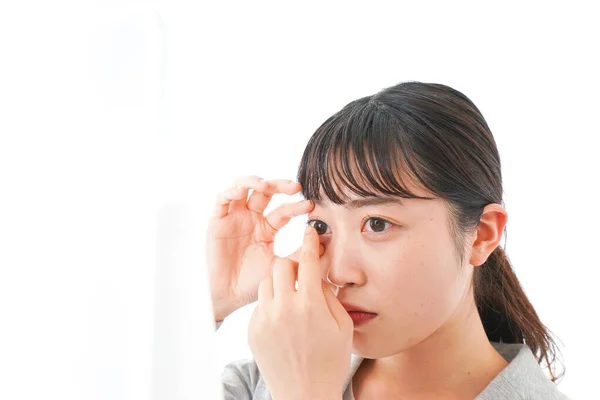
(361,318)
(349,307)
(359,315)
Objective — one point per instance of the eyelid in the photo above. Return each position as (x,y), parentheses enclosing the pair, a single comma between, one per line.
(368,217)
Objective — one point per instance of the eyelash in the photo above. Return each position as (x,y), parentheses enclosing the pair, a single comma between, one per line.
(367,218)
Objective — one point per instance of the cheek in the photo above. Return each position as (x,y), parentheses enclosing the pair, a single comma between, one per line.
(418,283)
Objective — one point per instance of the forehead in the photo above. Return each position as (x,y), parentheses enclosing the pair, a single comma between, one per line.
(355,201)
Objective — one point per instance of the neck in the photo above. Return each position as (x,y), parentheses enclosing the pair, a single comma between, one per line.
(456,359)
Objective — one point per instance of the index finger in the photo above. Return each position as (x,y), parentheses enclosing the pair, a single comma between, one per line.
(259,199)
(309,275)
(295,256)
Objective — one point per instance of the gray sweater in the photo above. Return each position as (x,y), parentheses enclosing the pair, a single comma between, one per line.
(522,379)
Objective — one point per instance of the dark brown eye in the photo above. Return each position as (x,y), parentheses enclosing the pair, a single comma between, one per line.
(377,224)
(320,226)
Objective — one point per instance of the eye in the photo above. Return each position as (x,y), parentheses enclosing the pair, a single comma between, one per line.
(319,225)
(377,224)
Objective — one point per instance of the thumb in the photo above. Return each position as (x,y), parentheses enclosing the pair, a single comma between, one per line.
(338,311)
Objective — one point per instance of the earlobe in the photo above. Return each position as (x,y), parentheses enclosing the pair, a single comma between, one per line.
(489,233)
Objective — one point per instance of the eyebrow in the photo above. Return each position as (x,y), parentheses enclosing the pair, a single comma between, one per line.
(368,201)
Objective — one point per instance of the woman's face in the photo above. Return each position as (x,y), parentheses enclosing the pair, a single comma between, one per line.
(397,260)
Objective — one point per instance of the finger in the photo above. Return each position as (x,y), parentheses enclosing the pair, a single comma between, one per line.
(260,198)
(336,309)
(295,256)
(265,291)
(279,217)
(294,269)
(328,287)
(253,328)
(309,275)
(224,199)
(284,278)
(246,183)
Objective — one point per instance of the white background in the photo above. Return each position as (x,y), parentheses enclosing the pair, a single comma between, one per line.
(118,118)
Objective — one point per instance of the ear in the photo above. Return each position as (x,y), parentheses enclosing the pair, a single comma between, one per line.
(489,233)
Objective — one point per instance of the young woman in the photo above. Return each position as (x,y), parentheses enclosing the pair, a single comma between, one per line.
(404,195)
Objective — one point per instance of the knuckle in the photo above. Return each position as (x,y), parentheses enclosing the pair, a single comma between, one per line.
(277,185)
(292,209)
(307,305)
(284,215)
(247,180)
(279,314)
(272,221)
(308,253)
(221,198)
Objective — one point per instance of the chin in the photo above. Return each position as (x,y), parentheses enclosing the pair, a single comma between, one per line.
(367,346)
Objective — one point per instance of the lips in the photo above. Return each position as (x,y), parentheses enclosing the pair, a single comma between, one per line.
(354,308)
(360,318)
(359,315)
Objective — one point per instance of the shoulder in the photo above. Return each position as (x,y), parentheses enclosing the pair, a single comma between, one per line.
(241,379)
(522,379)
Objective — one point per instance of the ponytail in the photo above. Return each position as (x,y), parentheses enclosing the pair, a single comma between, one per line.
(505,310)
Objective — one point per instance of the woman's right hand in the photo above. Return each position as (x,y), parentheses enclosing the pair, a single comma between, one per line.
(240,239)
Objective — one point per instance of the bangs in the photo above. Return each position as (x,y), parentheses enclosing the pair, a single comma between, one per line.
(359,150)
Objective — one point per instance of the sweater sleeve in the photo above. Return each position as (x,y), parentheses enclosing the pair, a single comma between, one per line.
(239,378)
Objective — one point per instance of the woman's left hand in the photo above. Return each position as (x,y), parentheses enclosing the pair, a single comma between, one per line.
(301,339)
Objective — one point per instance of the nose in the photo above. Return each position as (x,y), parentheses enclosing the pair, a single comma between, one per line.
(343,264)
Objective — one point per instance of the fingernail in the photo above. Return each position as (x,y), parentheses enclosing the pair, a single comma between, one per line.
(307,230)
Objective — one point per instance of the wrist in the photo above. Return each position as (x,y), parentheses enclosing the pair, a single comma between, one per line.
(220,315)
(223,308)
